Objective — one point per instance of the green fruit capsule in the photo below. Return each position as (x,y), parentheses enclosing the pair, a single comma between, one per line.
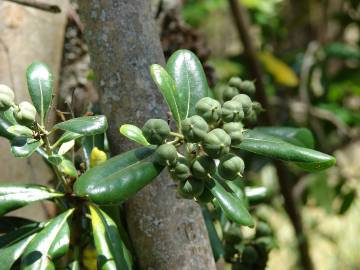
(229,92)
(247,87)
(181,170)
(257,108)
(25,114)
(217,143)
(190,188)
(166,155)
(232,111)
(209,109)
(235,82)
(156,131)
(263,229)
(7,97)
(231,167)
(203,167)
(235,131)
(245,101)
(194,128)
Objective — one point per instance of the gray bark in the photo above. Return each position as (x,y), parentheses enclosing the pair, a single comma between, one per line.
(167,232)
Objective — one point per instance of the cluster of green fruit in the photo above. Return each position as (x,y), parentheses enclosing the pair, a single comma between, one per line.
(24,112)
(251,252)
(207,138)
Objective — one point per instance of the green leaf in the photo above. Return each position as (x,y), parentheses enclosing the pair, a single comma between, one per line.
(8,116)
(190,81)
(36,255)
(40,84)
(3,130)
(14,196)
(68,136)
(86,125)
(216,245)
(11,253)
(112,252)
(273,147)
(298,136)
(68,168)
(257,195)
(19,130)
(23,147)
(168,89)
(133,133)
(55,159)
(10,223)
(233,208)
(119,186)
(60,245)
(19,234)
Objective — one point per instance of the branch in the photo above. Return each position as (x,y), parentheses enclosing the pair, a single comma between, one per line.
(37,5)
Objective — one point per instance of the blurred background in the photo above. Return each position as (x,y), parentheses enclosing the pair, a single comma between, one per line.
(304,55)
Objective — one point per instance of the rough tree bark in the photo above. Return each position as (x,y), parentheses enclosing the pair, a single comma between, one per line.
(26,35)
(167,233)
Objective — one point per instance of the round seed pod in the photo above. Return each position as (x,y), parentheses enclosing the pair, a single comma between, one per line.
(166,155)
(247,87)
(235,82)
(231,166)
(25,114)
(190,188)
(194,128)
(203,166)
(235,131)
(251,117)
(7,97)
(191,150)
(263,229)
(232,111)
(209,109)
(257,108)
(249,255)
(216,143)
(205,197)
(229,92)
(181,170)
(156,131)
(245,101)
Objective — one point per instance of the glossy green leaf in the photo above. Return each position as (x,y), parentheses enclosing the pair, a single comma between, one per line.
(8,116)
(68,136)
(133,133)
(86,125)
(274,147)
(67,168)
(60,245)
(10,223)
(119,186)
(3,130)
(19,130)
(298,136)
(216,245)
(190,81)
(233,208)
(36,255)
(112,252)
(237,191)
(167,87)
(40,84)
(23,147)
(55,159)
(13,196)
(111,166)
(257,195)
(11,253)
(20,233)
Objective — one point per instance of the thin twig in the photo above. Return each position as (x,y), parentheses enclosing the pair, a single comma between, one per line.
(37,5)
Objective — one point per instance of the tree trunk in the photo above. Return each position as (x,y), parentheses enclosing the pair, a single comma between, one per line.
(167,233)
(26,35)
